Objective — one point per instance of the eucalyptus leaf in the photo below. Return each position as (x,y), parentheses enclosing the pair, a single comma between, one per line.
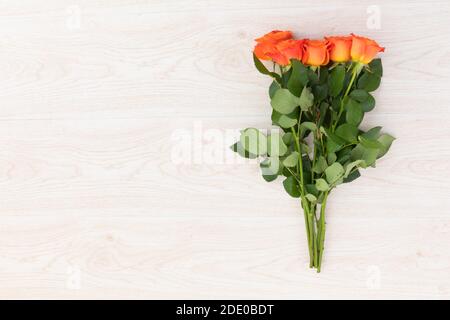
(362,153)
(348,132)
(284,120)
(311,188)
(331,158)
(332,146)
(334,173)
(372,134)
(322,185)
(334,142)
(349,167)
(291,160)
(291,186)
(352,176)
(371,144)
(306,99)
(311,198)
(320,165)
(270,178)
(284,101)
(308,125)
(288,138)
(386,140)
(274,86)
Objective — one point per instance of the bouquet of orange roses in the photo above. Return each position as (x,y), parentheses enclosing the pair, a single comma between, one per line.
(320,92)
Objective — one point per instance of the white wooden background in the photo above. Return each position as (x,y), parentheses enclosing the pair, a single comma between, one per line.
(92,204)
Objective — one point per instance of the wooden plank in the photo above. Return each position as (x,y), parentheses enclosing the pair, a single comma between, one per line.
(100,99)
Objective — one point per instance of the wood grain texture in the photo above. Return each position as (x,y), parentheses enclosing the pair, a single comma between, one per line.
(97,97)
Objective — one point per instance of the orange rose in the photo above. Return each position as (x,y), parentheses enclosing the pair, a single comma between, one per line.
(275,37)
(364,49)
(265,51)
(315,53)
(286,50)
(266,47)
(340,48)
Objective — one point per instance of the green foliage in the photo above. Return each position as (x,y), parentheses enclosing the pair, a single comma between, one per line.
(291,186)
(386,141)
(320,143)
(285,121)
(372,134)
(371,78)
(298,78)
(352,176)
(274,86)
(352,165)
(334,173)
(354,113)
(311,198)
(336,80)
(320,92)
(291,160)
(322,185)
(306,99)
(320,165)
(261,68)
(359,95)
(369,155)
(376,67)
(331,158)
(308,126)
(348,132)
(284,101)
(368,104)
(370,144)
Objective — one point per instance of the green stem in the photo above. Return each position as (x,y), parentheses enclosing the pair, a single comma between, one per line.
(322,230)
(304,202)
(315,237)
(308,232)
